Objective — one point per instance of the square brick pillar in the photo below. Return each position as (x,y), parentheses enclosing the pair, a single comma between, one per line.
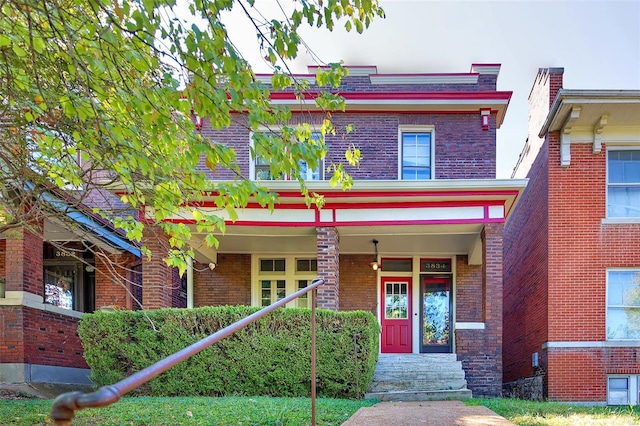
(156,275)
(328,242)
(492,306)
(23,261)
(113,279)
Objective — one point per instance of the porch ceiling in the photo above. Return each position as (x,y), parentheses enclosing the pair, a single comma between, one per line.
(446,239)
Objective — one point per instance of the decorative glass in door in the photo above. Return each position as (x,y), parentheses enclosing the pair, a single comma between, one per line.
(396,301)
(436,315)
(60,285)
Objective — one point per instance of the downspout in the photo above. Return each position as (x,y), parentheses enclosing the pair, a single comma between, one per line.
(189,283)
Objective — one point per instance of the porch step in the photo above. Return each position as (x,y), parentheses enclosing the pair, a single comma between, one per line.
(420,395)
(418,377)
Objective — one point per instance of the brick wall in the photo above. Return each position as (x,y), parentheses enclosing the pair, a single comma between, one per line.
(463,150)
(23,267)
(157,277)
(112,279)
(3,252)
(581,249)
(357,284)
(12,341)
(468,291)
(328,243)
(480,351)
(526,275)
(228,284)
(53,339)
(580,374)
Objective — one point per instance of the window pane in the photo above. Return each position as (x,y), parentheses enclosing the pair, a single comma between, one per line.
(278,265)
(623,300)
(281,292)
(623,323)
(619,383)
(59,286)
(396,265)
(306,265)
(624,166)
(623,201)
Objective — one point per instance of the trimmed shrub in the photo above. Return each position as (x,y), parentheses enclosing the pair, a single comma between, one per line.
(270,357)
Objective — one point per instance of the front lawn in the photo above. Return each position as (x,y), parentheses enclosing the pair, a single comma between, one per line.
(530,413)
(190,411)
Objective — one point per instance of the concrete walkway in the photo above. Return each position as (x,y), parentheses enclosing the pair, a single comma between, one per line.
(425,413)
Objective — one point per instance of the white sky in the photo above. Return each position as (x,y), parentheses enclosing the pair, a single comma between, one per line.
(597,43)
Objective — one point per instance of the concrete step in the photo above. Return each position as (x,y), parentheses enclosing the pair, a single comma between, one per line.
(418,385)
(420,395)
(391,376)
(416,367)
(418,377)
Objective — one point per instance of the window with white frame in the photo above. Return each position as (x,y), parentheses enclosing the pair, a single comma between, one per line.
(623,304)
(280,276)
(622,389)
(260,169)
(416,153)
(623,183)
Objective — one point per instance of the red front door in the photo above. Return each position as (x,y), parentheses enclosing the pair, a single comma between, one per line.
(395,315)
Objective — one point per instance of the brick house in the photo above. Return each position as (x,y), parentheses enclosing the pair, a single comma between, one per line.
(572,249)
(425,210)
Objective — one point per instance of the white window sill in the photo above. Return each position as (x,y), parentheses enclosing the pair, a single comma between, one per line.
(620,220)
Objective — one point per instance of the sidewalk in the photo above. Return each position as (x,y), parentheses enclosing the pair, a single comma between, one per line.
(422,413)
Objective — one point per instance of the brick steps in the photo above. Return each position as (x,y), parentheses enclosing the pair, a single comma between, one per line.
(418,377)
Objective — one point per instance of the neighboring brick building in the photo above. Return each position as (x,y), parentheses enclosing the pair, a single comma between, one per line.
(425,191)
(49,276)
(572,249)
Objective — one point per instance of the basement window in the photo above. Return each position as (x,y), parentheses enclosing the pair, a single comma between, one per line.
(622,390)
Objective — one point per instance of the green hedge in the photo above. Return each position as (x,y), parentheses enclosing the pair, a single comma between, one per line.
(269,357)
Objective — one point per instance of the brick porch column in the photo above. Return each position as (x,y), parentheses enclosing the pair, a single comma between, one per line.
(23,261)
(328,242)
(156,275)
(492,305)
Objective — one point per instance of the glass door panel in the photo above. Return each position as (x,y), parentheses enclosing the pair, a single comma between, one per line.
(435,324)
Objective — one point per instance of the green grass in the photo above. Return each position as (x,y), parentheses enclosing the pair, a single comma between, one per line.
(147,411)
(530,413)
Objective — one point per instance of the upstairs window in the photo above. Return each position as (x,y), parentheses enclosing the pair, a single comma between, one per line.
(623,304)
(260,168)
(623,184)
(416,154)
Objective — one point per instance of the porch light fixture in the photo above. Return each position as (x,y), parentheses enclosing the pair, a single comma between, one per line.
(375,265)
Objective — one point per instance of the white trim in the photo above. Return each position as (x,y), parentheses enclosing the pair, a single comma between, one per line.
(31,300)
(266,79)
(470,326)
(619,220)
(423,79)
(486,69)
(592,345)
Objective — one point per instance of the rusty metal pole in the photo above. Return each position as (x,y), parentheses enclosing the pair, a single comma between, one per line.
(313,357)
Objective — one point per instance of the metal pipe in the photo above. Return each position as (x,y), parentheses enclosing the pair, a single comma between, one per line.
(313,356)
(64,406)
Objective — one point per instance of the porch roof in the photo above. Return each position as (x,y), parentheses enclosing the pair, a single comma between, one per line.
(439,217)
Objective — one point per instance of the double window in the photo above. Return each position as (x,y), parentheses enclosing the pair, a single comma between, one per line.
(623,304)
(623,184)
(260,167)
(278,277)
(416,153)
